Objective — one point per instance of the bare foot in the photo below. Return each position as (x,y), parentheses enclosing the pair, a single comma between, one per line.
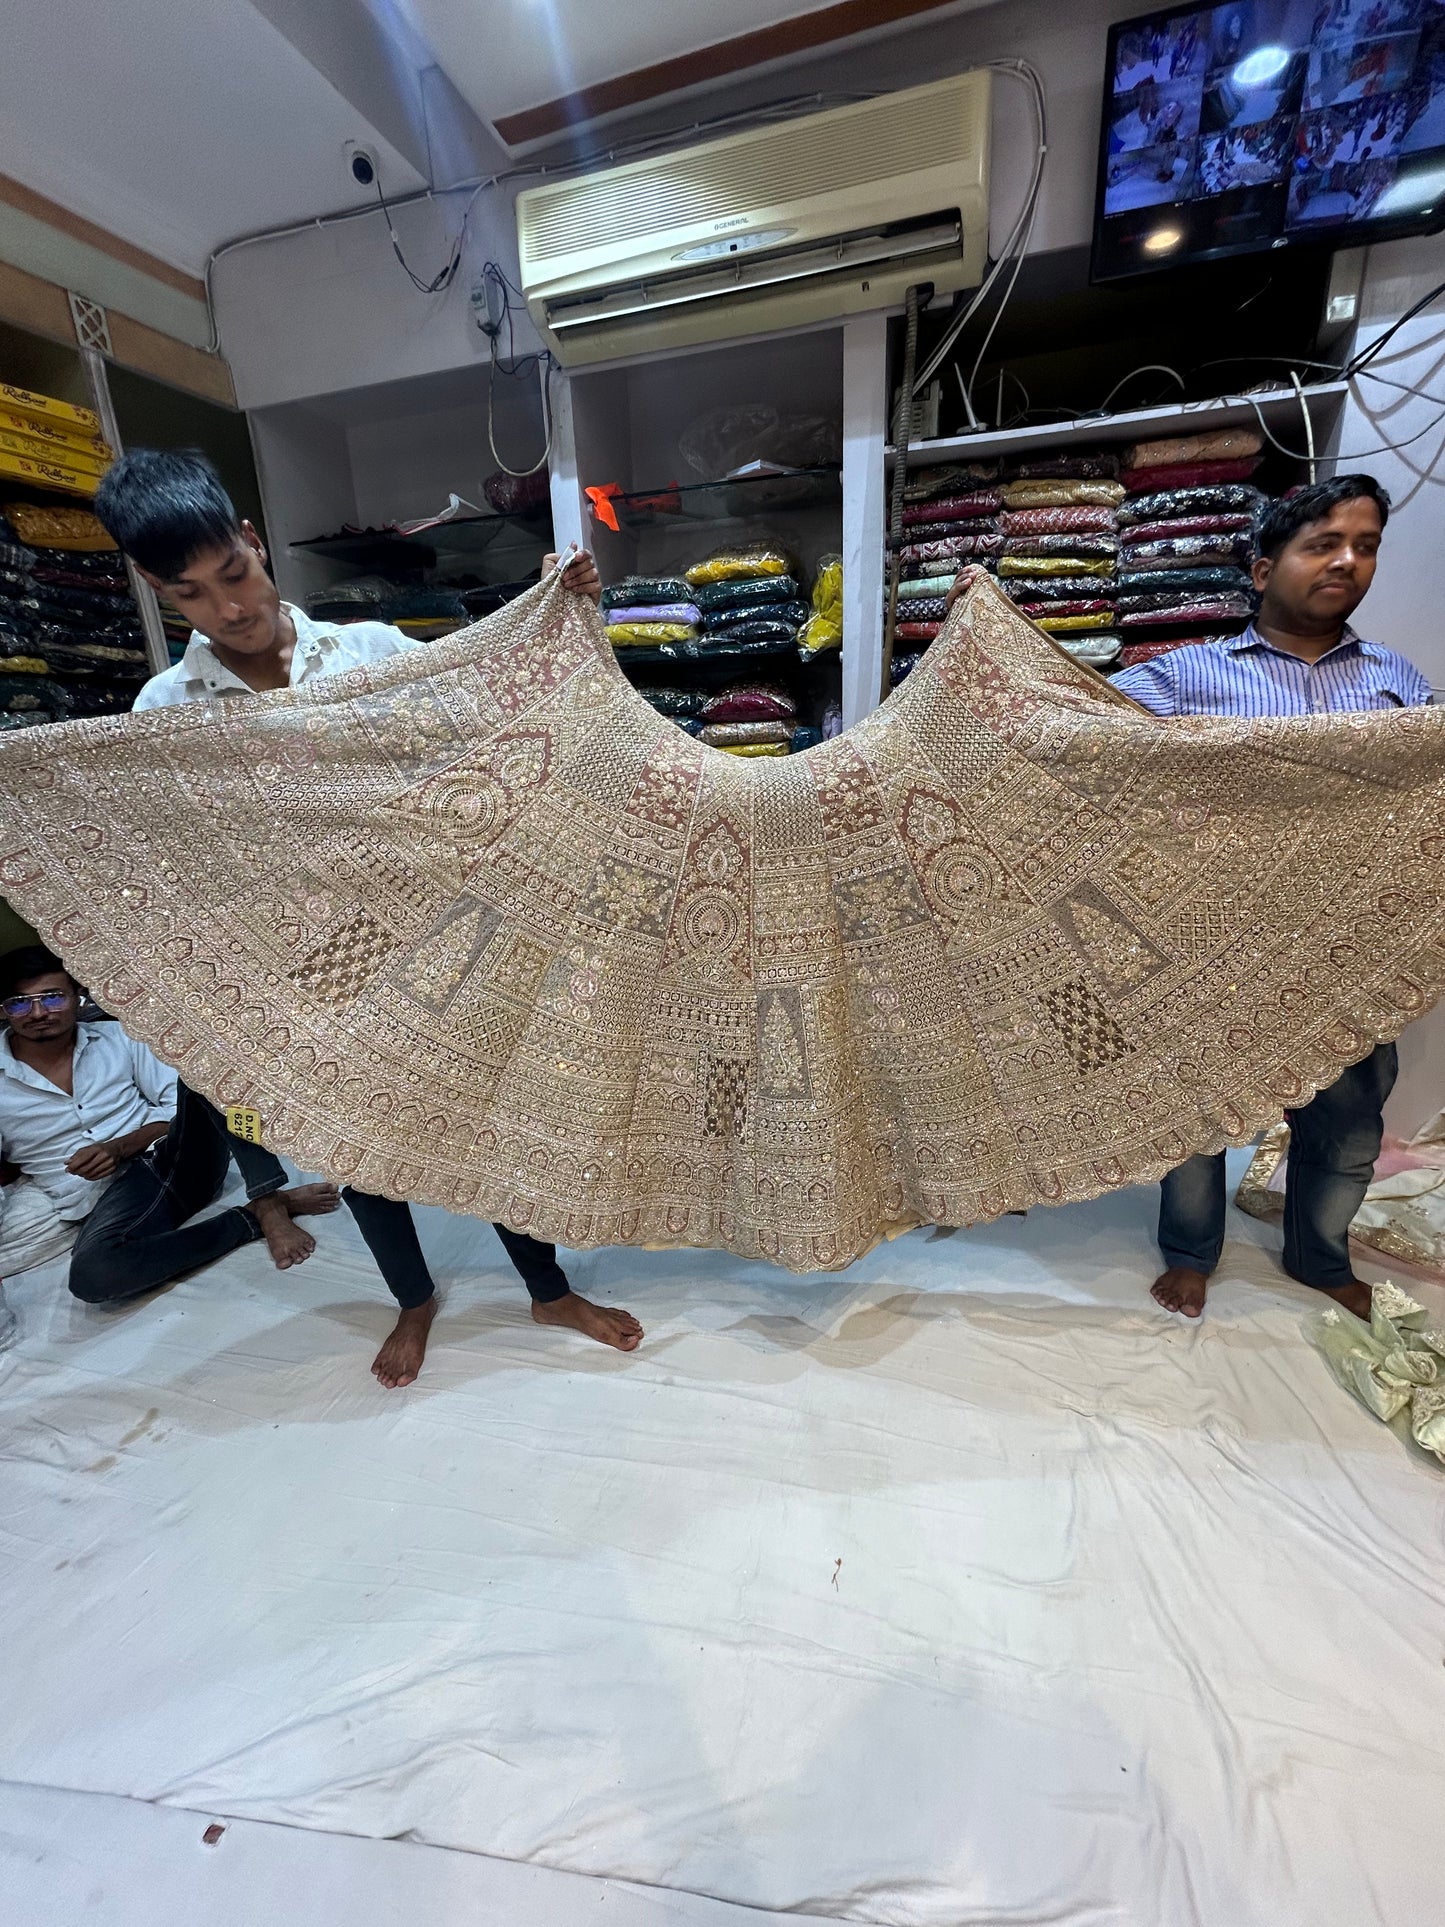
(287,1242)
(399,1360)
(1353,1297)
(1180,1289)
(608,1327)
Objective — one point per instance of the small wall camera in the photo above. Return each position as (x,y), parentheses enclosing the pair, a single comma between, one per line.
(361,165)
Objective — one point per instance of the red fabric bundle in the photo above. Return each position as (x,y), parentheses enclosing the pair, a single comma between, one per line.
(1080,608)
(750,702)
(1143,481)
(1186,525)
(1071,521)
(954,508)
(1133,652)
(917,631)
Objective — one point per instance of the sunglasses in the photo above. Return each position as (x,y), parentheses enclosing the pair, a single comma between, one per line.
(48,1000)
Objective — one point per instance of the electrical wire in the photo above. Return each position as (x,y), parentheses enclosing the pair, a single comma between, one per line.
(1363,359)
(1304,409)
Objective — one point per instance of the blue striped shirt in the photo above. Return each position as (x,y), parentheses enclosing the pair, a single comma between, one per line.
(1246,676)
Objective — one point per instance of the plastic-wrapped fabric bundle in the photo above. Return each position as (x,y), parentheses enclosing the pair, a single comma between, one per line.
(1081,606)
(1095,465)
(1136,652)
(753,628)
(1187,552)
(1168,504)
(1049,495)
(750,702)
(1054,565)
(686,612)
(741,562)
(1056,588)
(918,631)
(1097,650)
(1092,547)
(1168,528)
(1209,576)
(806,736)
(954,508)
(1150,481)
(718,622)
(1198,608)
(674,702)
(823,628)
(746,593)
(1214,445)
(956,548)
(754,749)
(727,735)
(623,634)
(948,531)
(1394,1366)
(1073,520)
(903,666)
(72,531)
(923,609)
(645,591)
(925,585)
(956,479)
(1103,618)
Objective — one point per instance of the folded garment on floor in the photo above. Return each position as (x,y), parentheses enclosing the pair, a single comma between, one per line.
(729,735)
(917,631)
(1091,547)
(1216,445)
(1133,652)
(1081,606)
(1052,588)
(1187,552)
(1095,465)
(638,591)
(1183,581)
(1097,651)
(1065,625)
(1077,520)
(1221,609)
(954,508)
(1395,1365)
(746,594)
(1148,481)
(1169,527)
(1168,504)
(687,612)
(923,609)
(1050,565)
(623,635)
(674,702)
(720,621)
(903,666)
(744,562)
(1051,495)
(750,702)
(957,548)
(955,479)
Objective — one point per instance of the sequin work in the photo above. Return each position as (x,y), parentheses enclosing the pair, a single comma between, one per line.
(476,926)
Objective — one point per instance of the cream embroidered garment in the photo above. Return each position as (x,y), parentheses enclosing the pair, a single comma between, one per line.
(476,926)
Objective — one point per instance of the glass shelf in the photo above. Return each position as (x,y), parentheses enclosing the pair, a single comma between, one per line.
(728,501)
(462,538)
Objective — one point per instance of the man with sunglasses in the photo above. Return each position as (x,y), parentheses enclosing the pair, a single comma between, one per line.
(170,514)
(95,1123)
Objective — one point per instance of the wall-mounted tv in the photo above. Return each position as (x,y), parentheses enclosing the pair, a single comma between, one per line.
(1266,124)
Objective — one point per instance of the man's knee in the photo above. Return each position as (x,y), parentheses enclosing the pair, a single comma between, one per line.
(95,1279)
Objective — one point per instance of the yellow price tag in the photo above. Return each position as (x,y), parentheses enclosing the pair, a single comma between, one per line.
(243,1124)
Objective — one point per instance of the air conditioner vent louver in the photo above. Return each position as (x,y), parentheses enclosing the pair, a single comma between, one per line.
(808,211)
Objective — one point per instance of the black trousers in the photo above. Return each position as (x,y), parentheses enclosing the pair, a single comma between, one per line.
(160,1191)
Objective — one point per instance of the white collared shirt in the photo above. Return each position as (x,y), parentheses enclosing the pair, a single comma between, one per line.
(119,1086)
(321,650)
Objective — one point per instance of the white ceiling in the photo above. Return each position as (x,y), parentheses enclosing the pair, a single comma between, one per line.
(173,125)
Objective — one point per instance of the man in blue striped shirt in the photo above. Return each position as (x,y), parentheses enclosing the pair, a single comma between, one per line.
(1299,657)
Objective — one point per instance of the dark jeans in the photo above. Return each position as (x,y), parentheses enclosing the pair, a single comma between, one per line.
(138,1236)
(199,1144)
(1333,1143)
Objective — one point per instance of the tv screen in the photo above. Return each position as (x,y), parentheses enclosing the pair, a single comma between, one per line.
(1230,129)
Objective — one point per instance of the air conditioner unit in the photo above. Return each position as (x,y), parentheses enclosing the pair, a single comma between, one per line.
(796,222)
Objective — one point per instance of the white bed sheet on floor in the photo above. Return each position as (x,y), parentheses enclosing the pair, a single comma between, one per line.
(968,1588)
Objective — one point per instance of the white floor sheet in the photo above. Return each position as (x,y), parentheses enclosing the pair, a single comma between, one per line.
(968,1588)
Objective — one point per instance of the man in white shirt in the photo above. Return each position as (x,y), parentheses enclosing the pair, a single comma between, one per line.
(170,514)
(97,1125)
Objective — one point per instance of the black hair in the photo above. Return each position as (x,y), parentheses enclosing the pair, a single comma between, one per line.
(1284,519)
(29,961)
(163,507)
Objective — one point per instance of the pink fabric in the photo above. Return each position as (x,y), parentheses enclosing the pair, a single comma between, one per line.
(954,508)
(1073,521)
(1144,481)
(1186,525)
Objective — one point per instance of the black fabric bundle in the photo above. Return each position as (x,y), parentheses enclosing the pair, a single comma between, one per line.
(643,591)
(748,593)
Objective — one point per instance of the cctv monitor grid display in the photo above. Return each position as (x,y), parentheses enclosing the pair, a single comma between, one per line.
(1233,128)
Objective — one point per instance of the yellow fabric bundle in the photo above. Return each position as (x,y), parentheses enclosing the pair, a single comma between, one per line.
(1062,495)
(1066,625)
(26,665)
(1052,565)
(824,628)
(621,634)
(54,528)
(753,749)
(736,565)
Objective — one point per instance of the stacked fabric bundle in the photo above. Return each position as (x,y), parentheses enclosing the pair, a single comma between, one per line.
(66,613)
(1184,560)
(750,719)
(950,519)
(750,598)
(1060,549)
(1220,456)
(648,611)
(50,444)
(417,610)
